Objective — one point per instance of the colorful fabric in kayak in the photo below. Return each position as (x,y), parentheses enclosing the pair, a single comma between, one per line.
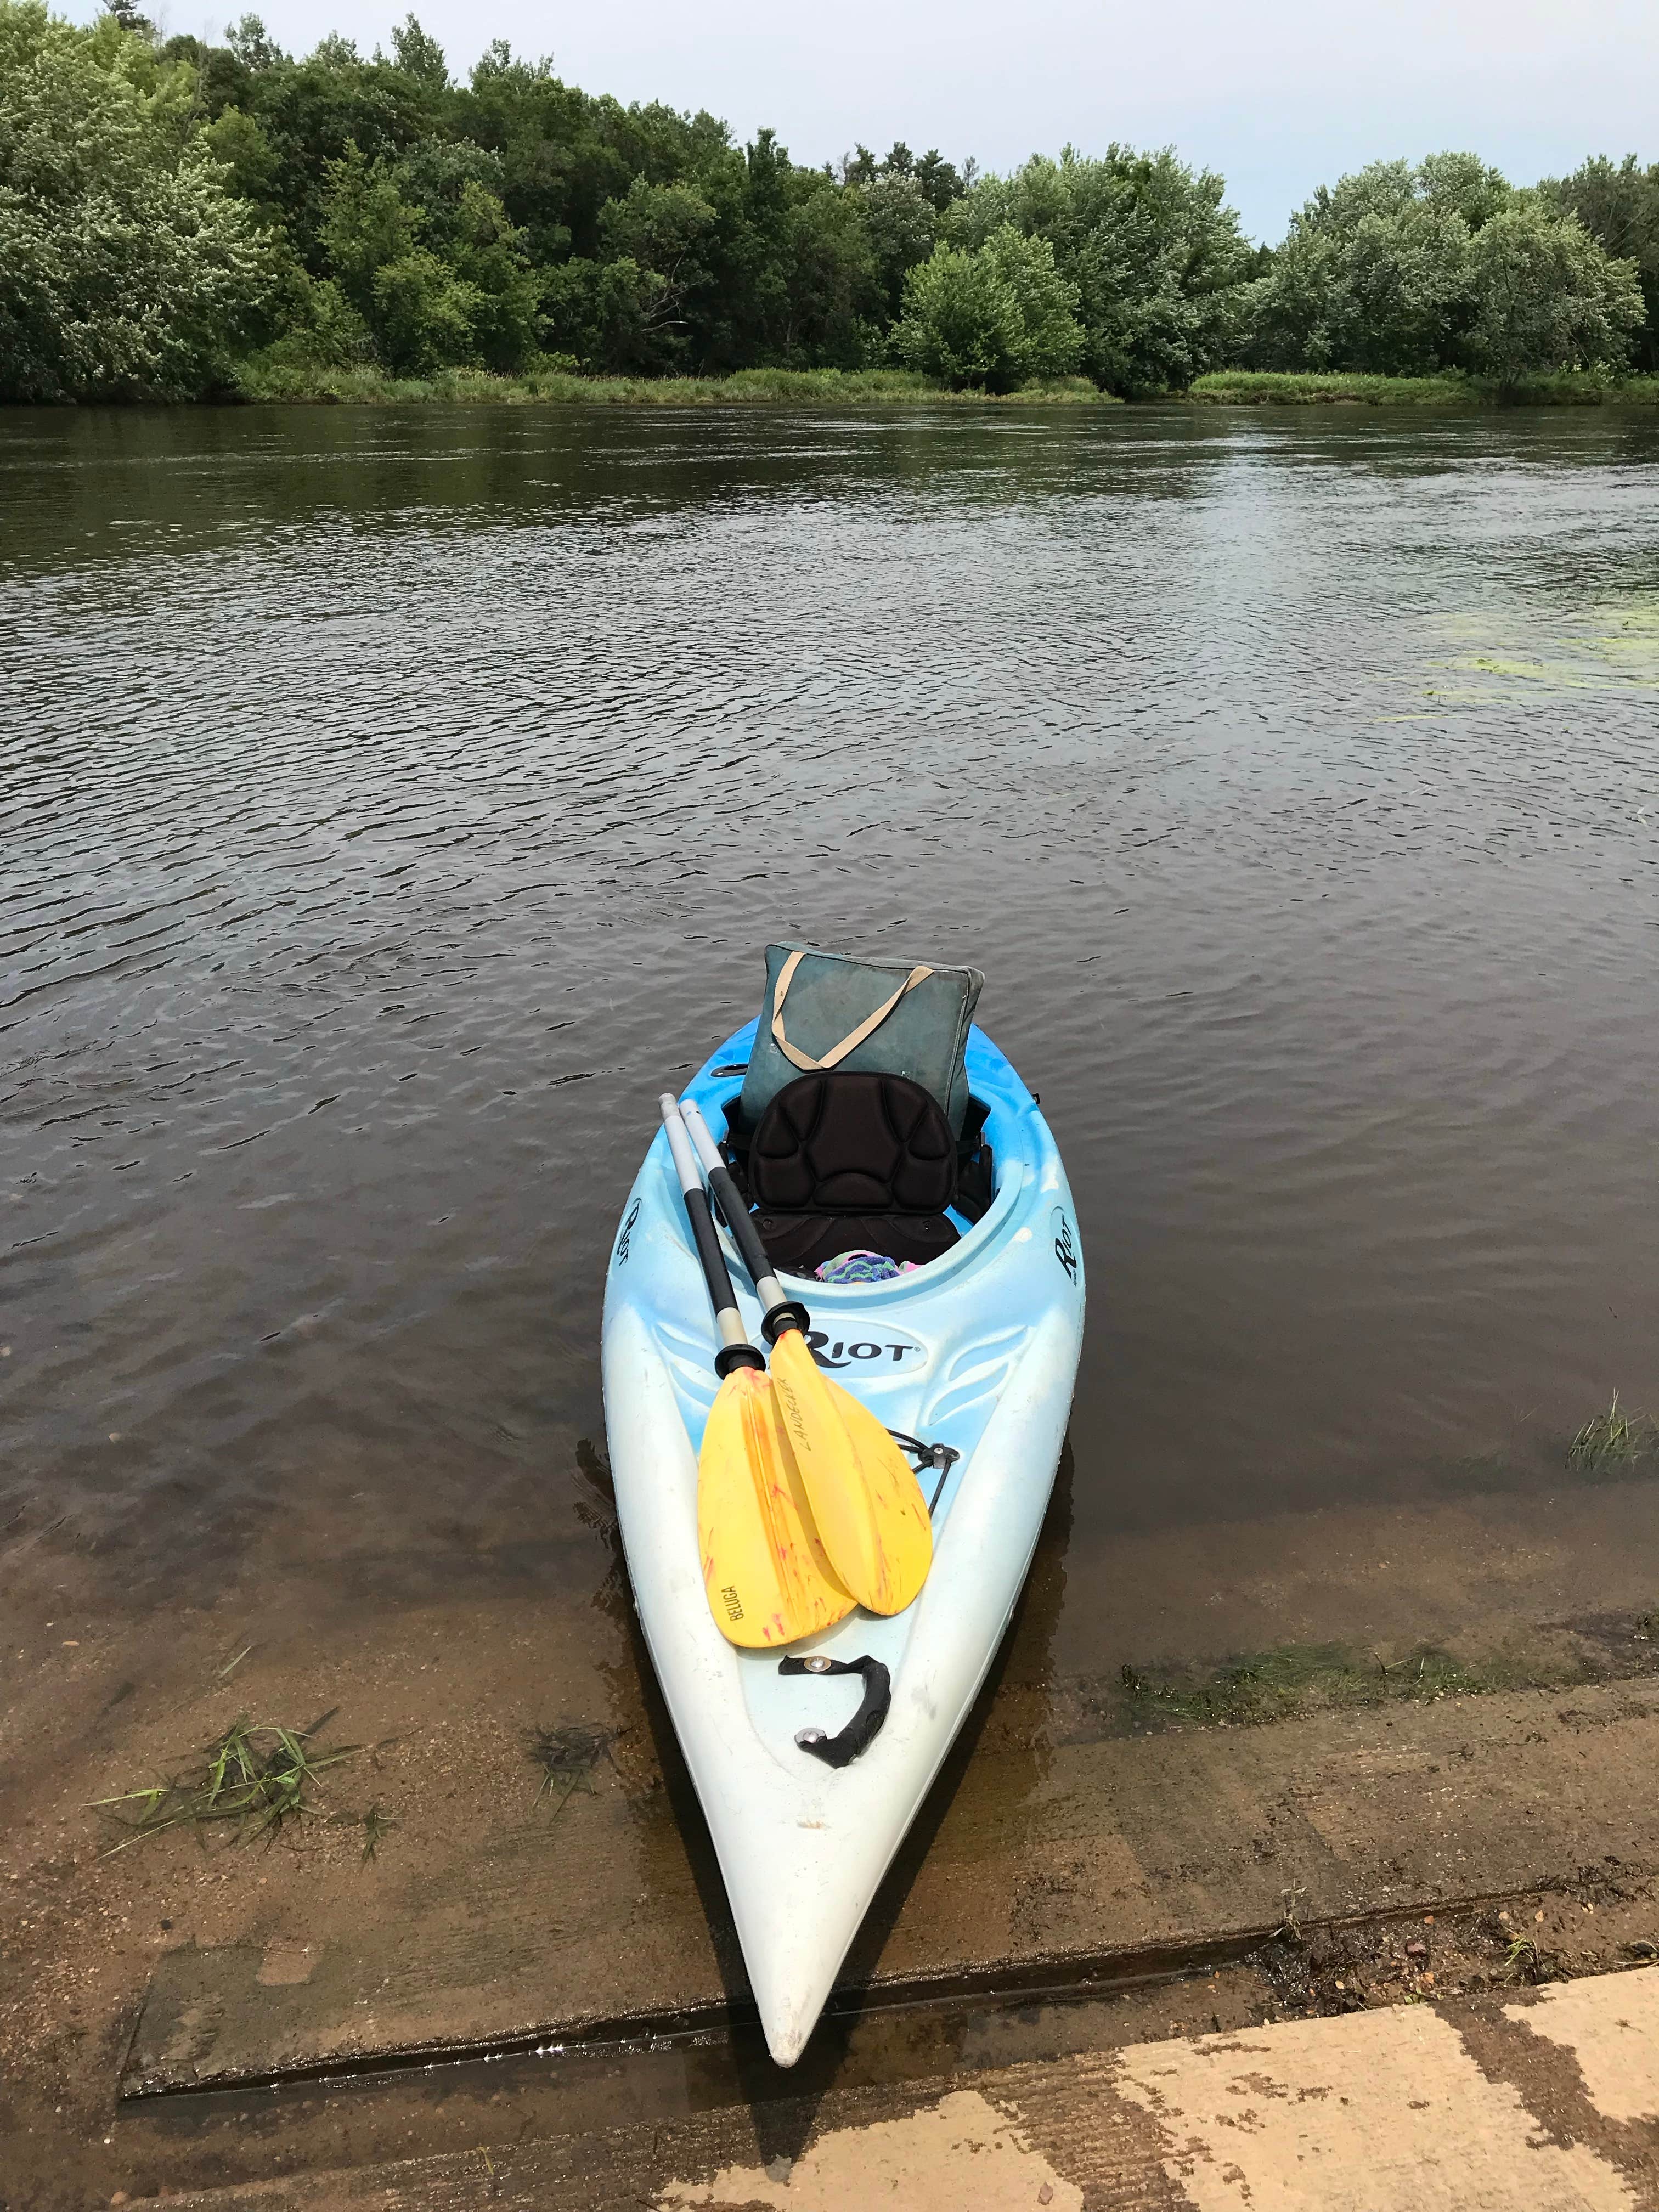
(863,1268)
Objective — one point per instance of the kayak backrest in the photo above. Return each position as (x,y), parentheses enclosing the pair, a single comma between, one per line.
(853,1162)
(824,1011)
(853,1143)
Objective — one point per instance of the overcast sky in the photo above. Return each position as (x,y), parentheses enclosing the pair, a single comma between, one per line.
(1280,96)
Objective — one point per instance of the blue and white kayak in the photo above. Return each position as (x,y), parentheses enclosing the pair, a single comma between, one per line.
(976,1352)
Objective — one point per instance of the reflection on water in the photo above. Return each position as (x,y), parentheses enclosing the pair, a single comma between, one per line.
(394,802)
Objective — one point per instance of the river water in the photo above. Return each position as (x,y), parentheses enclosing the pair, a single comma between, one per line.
(394,802)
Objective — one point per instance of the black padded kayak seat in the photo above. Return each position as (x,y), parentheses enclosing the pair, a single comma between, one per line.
(852,1162)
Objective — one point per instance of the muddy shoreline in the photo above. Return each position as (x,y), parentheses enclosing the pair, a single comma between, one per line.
(1095,1848)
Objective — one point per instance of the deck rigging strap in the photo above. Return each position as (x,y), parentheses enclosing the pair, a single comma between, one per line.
(943,1457)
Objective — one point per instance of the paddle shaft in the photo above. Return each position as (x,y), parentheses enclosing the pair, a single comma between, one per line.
(777,1311)
(736,1350)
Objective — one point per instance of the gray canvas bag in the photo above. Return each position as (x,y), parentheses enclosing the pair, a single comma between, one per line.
(824,1011)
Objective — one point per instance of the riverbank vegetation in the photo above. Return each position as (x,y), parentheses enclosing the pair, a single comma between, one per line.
(1266,387)
(264,380)
(181,219)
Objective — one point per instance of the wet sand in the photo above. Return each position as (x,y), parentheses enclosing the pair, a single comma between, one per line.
(1082,1831)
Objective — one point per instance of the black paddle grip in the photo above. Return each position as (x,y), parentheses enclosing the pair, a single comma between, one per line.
(790,1314)
(720,1292)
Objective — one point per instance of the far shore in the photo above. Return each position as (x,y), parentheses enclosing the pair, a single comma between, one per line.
(262,383)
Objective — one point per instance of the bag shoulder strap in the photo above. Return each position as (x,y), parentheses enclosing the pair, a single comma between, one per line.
(837,1053)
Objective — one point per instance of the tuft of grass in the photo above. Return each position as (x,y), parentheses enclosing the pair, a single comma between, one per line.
(1290,1926)
(1525,1962)
(255,1778)
(1613,1439)
(375,1825)
(566,1756)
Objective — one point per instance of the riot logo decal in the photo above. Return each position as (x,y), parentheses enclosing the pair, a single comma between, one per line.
(878,1352)
(1065,1245)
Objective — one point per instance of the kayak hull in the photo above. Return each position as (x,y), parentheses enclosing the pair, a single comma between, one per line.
(978,1351)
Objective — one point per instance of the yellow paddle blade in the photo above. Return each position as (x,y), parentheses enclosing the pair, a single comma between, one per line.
(767,1578)
(868,1505)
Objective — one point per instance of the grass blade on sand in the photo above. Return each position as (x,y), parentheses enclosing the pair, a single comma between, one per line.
(257,1778)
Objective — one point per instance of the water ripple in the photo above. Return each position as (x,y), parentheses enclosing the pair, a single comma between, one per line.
(394,802)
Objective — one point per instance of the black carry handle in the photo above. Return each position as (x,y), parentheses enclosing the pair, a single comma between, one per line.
(780,1312)
(736,1350)
(861,1731)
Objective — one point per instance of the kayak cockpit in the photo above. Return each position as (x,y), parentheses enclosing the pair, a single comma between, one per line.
(844,1173)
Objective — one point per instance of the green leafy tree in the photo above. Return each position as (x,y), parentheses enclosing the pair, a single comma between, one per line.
(311,111)
(939,181)
(1156,256)
(998,316)
(833,295)
(961,322)
(423,315)
(1373,274)
(423,251)
(367,224)
(420,56)
(252,46)
(1617,203)
(127,270)
(603,314)
(901,224)
(249,161)
(1407,270)
(1546,296)
(656,238)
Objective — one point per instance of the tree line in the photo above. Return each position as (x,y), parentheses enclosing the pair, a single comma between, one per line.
(170,209)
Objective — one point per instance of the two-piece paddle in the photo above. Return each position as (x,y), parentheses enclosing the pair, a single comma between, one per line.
(764,1565)
(868,1503)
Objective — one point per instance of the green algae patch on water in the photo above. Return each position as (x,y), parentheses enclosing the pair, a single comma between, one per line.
(268,381)
(1609,648)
